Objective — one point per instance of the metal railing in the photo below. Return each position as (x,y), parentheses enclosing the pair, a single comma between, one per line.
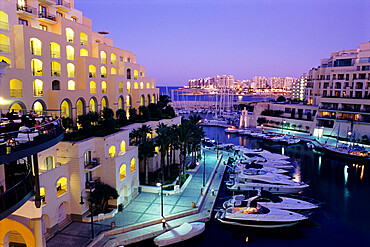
(55,72)
(47,16)
(16,93)
(18,140)
(27,8)
(36,72)
(16,193)
(63,3)
(92,163)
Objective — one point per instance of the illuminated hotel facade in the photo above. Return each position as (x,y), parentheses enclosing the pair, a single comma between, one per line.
(60,67)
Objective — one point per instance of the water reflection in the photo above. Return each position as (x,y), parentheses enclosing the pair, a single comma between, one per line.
(282,150)
(362,172)
(319,164)
(346,174)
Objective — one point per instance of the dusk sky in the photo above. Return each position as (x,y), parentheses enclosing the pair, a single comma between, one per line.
(181,40)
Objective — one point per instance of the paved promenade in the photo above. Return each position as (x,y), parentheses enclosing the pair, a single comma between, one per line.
(141,219)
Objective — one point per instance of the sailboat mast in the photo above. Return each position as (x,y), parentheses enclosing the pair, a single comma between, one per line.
(336,145)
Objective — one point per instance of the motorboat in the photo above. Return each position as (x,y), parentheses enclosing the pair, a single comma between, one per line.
(274,183)
(256,215)
(231,130)
(181,233)
(270,200)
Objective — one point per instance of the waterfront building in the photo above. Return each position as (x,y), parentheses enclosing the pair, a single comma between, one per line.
(298,88)
(259,82)
(288,82)
(59,67)
(216,82)
(276,82)
(340,87)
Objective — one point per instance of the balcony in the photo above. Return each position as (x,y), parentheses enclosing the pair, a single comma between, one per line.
(48,2)
(47,18)
(14,197)
(16,93)
(16,145)
(26,11)
(92,165)
(90,185)
(63,5)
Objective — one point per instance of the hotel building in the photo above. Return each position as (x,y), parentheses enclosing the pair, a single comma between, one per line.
(59,67)
(298,88)
(340,87)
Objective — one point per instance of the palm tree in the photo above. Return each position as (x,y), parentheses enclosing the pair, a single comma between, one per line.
(174,142)
(102,194)
(144,130)
(134,136)
(184,133)
(163,141)
(146,151)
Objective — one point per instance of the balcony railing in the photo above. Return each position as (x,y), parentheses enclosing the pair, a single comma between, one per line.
(47,16)
(27,9)
(55,73)
(4,48)
(63,3)
(16,93)
(92,164)
(14,197)
(37,72)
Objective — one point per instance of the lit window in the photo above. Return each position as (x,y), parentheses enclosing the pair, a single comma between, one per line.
(103,72)
(16,88)
(113,71)
(104,87)
(71,85)
(120,103)
(122,172)
(93,105)
(55,69)
(112,152)
(136,85)
(136,74)
(83,39)
(123,146)
(62,186)
(141,85)
(54,50)
(92,71)
(48,163)
(36,46)
(113,59)
(38,88)
(128,87)
(70,52)
(43,195)
(65,110)
(84,53)
(70,34)
(103,57)
(43,27)
(70,70)
(147,85)
(133,165)
(4,20)
(120,87)
(92,87)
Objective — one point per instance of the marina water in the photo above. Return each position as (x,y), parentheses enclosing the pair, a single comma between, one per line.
(342,220)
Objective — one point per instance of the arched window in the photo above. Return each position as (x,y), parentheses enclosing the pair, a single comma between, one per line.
(103,72)
(88,158)
(122,172)
(136,74)
(104,103)
(104,87)
(153,98)
(129,59)
(38,88)
(4,43)
(112,152)
(120,87)
(80,107)
(61,186)
(141,85)
(113,59)
(153,86)
(123,146)
(7,60)
(38,107)
(55,85)
(142,100)
(16,88)
(36,47)
(48,163)
(142,74)
(43,195)
(71,85)
(128,84)
(133,165)
(128,73)
(18,106)
(148,99)
(92,71)
(84,53)
(103,57)
(92,87)
(83,39)
(113,71)
(128,100)
(70,52)
(93,105)
(55,69)
(54,50)
(65,109)
(136,85)
(128,106)
(70,35)
(36,67)
(70,70)
(120,102)
(147,85)
(4,20)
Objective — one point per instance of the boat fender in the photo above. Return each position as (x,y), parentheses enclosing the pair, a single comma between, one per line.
(113,225)
(193,204)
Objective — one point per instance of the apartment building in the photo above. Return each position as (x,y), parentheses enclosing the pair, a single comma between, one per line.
(276,82)
(259,82)
(340,87)
(59,67)
(224,81)
(298,88)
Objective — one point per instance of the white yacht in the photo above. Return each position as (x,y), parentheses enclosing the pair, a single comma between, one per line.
(256,215)
(269,200)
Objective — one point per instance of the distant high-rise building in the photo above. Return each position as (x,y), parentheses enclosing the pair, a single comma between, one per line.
(276,82)
(259,82)
(288,82)
(298,88)
(224,81)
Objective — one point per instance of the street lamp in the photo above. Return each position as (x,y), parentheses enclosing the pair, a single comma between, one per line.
(163,219)
(91,212)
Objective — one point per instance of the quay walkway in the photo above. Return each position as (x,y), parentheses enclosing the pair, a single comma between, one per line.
(141,219)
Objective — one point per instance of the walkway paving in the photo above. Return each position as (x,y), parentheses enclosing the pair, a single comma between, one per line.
(146,209)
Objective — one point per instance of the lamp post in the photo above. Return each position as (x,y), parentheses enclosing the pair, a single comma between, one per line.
(163,219)
(204,168)
(91,212)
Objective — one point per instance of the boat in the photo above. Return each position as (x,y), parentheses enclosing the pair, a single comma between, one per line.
(274,183)
(270,200)
(231,130)
(181,233)
(256,215)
